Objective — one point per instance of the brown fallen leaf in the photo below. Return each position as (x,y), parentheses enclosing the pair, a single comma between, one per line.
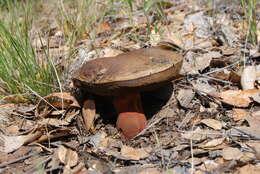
(55,101)
(103,27)
(61,132)
(249,169)
(238,98)
(194,62)
(230,153)
(196,135)
(185,97)
(11,143)
(248,77)
(89,113)
(67,156)
(239,114)
(133,153)
(18,98)
(215,124)
(109,52)
(64,121)
(24,150)
(212,143)
(253,130)
(196,161)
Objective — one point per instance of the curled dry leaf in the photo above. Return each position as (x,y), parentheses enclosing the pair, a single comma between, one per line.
(248,77)
(215,124)
(238,98)
(88,113)
(133,154)
(67,156)
(55,101)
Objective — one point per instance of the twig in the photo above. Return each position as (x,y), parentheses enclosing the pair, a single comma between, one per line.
(219,80)
(155,122)
(223,134)
(249,135)
(221,69)
(192,155)
(5,164)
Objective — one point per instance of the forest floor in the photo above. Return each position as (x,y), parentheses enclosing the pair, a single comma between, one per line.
(206,122)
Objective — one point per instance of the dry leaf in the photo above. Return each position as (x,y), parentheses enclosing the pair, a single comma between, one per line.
(199,24)
(255,145)
(109,52)
(133,154)
(203,85)
(89,113)
(64,121)
(194,62)
(230,153)
(248,77)
(5,114)
(197,135)
(103,27)
(238,98)
(150,171)
(239,114)
(12,130)
(227,51)
(256,97)
(196,161)
(67,156)
(61,132)
(253,129)
(18,98)
(24,150)
(11,143)
(185,96)
(98,140)
(213,143)
(173,38)
(249,169)
(55,101)
(215,124)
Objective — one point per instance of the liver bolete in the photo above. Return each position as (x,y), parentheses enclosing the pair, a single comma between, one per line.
(124,76)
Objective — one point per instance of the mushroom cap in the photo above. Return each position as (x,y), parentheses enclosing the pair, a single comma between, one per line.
(137,70)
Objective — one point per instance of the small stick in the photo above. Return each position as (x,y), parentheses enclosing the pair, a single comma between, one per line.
(5,164)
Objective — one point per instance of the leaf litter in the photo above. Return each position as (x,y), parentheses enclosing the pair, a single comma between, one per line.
(209,123)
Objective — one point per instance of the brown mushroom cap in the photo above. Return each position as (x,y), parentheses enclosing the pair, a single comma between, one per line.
(132,71)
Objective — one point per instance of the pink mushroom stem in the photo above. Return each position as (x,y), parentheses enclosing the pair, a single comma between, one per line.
(131,119)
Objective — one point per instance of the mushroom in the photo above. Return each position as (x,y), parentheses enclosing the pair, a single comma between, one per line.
(124,77)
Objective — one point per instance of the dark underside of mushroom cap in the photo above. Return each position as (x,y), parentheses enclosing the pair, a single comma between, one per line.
(137,70)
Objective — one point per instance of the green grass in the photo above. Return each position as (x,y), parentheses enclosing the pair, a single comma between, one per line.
(250,14)
(79,19)
(20,69)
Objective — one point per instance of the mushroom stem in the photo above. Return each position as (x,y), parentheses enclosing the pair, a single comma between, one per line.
(131,119)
